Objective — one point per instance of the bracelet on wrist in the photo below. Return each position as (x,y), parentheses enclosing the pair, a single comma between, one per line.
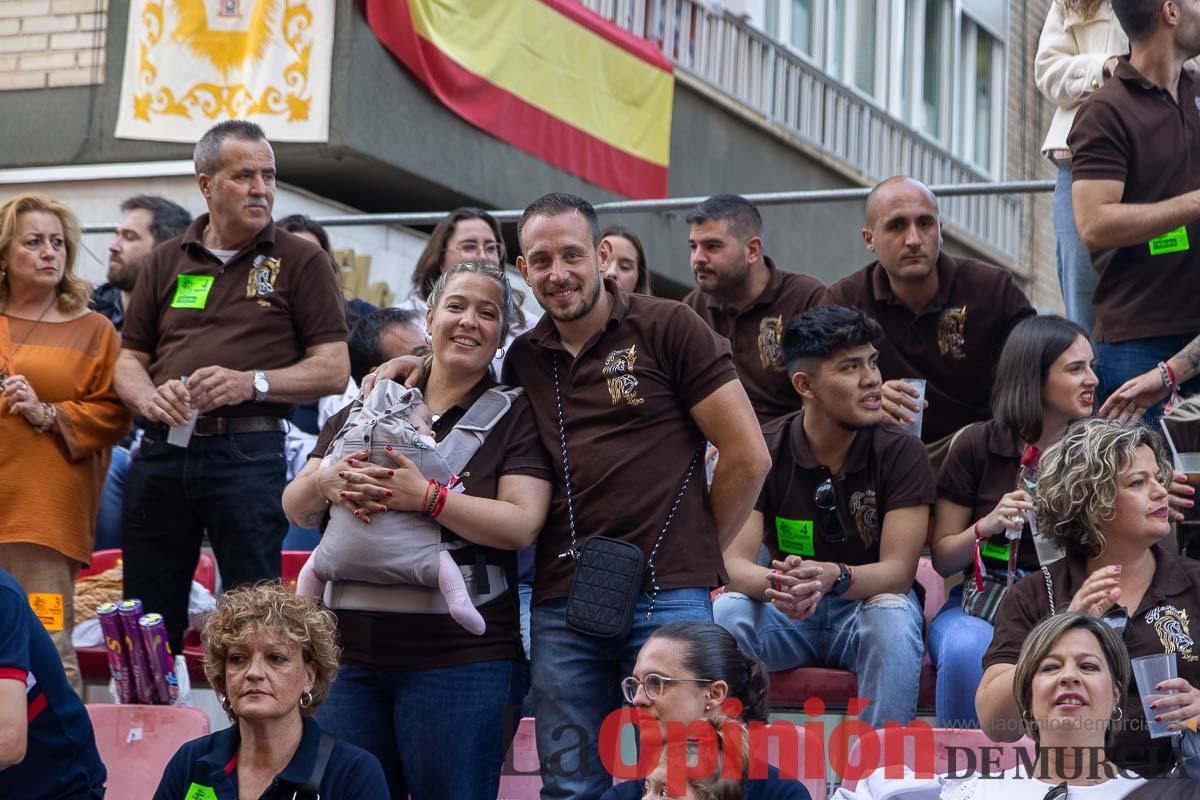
(1168,377)
(442,494)
(431,503)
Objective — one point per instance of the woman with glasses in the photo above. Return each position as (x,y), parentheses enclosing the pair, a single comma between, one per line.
(1044,379)
(692,671)
(1068,684)
(1102,497)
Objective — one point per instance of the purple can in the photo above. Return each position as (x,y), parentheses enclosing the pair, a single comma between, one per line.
(158,654)
(143,684)
(118,656)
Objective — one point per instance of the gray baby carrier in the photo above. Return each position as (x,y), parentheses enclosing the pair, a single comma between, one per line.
(392,565)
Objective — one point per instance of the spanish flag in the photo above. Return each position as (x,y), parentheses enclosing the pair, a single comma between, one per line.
(547,76)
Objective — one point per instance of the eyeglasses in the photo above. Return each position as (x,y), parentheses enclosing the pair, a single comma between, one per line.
(1116,618)
(826,500)
(472,249)
(654,684)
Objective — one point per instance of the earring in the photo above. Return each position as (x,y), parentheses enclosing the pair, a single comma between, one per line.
(499,352)
(306,699)
(1118,714)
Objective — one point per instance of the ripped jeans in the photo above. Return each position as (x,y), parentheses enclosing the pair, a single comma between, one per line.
(878,639)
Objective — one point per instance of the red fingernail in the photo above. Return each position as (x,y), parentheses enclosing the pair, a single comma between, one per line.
(341,494)
(388,448)
(341,474)
(390,474)
(389,494)
(351,462)
(1158,719)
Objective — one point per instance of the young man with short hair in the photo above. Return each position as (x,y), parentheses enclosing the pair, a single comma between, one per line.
(743,296)
(844,513)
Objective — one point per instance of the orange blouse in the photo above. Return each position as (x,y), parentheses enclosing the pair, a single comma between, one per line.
(50,483)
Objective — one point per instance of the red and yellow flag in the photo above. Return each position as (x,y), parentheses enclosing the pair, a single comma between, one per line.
(547,76)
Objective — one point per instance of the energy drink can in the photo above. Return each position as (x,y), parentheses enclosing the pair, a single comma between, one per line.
(130,612)
(158,655)
(118,655)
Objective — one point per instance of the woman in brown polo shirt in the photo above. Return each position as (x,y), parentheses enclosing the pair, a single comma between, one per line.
(1044,379)
(435,704)
(1102,496)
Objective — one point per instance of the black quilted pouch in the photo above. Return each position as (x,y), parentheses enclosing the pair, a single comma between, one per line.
(608,580)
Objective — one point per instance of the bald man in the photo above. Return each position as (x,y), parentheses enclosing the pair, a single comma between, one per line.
(944,319)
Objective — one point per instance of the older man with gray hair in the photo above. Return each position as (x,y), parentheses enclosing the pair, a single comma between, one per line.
(230,325)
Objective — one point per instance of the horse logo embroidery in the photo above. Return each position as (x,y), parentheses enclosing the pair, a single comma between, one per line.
(618,370)
(950,332)
(1171,625)
(261,282)
(770,343)
(866,516)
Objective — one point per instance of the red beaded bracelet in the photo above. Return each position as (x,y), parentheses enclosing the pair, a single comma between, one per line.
(443,492)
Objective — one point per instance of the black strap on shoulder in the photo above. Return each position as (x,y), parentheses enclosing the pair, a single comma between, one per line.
(311,790)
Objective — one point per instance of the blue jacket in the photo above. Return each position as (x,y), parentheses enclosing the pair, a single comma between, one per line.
(206,769)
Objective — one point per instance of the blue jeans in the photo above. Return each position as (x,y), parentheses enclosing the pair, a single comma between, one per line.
(1117,363)
(229,485)
(957,642)
(439,733)
(879,640)
(576,684)
(108,516)
(1076,275)
(298,538)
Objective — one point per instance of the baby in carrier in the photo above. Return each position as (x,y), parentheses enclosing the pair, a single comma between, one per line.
(399,547)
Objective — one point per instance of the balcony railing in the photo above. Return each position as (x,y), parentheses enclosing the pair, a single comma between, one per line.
(763,75)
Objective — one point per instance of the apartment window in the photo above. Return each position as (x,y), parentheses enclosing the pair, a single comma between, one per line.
(791,22)
(853,42)
(980,137)
(924,61)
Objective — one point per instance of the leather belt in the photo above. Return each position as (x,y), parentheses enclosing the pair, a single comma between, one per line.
(219,426)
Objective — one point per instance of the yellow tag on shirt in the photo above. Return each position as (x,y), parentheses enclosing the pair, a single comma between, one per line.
(48,608)
(1175,241)
(795,536)
(191,291)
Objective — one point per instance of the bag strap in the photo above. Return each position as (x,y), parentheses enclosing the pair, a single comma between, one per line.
(574,551)
(1049,589)
(465,439)
(311,790)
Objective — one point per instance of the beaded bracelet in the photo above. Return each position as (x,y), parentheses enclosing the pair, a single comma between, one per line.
(443,493)
(1168,377)
(427,509)
(49,414)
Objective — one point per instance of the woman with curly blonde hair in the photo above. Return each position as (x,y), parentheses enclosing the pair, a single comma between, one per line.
(271,656)
(1102,496)
(59,413)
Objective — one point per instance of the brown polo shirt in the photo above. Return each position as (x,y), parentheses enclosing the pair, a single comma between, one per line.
(626,400)
(885,469)
(274,299)
(755,335)
(981,467)
(953,343)
(1161,624)
(1133,131)
(427,641)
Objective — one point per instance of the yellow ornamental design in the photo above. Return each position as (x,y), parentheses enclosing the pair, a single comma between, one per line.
(232,53)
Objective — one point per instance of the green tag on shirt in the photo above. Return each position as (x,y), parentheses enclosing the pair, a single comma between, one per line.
(191,291)
(198,792)
(795,536)
(1175,241)
(996,551)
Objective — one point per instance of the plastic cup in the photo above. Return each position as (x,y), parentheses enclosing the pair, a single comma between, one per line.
(914,427)
(1148,672)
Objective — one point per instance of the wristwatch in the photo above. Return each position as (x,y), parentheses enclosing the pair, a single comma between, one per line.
(842,582)
(261,385)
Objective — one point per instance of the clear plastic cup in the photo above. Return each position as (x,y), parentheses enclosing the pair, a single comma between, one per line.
(914,427)
(1148,672)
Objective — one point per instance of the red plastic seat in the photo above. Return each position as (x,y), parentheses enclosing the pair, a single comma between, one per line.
(93,661)
(136,742)
(1000,756)
(790,688)
(293,560)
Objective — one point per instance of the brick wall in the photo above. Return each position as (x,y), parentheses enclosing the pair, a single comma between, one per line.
(1028,117)
(51,43)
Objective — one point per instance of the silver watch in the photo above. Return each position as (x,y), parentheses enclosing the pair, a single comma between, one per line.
(261,385)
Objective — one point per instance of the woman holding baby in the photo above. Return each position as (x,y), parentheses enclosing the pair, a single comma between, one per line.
(435,703)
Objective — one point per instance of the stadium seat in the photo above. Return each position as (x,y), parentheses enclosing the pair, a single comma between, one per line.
(136,742)
(959,741)
(790,688)
(93,661)
(293,560)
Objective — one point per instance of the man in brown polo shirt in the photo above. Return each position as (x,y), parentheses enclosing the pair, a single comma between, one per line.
(944,319)
(743,296)
(229,326)
(843,512)
(625,389)
(1135,147)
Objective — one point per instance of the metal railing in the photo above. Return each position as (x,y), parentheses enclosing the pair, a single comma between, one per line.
(766,77)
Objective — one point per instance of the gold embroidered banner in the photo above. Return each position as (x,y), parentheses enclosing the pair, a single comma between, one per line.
(192,63)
